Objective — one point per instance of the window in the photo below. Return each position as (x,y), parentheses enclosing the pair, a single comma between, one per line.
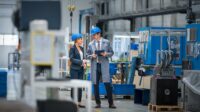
(9,40)
(1,39)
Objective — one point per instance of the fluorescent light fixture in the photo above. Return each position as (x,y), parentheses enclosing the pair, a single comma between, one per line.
(126,36)
(10,40)
(135,36)
(122,36)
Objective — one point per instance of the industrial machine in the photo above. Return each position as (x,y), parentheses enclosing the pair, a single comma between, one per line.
(164,85)
(193,46)
(191,66)
(42,43)
(162,50)
(43,54)
(163,42)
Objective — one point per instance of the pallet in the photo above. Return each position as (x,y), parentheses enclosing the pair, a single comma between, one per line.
(166,108)
(117,97)
(123,97)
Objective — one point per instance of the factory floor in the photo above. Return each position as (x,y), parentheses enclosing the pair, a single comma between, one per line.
(123,105)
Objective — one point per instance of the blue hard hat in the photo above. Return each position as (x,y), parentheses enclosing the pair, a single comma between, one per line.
(95,30)
(76,36)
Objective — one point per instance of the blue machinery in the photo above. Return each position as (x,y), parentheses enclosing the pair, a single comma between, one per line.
(191,76)
(125,88)
(157,46)
(162,50)
(3,83)
(162,45)
(169,44)
(193,47)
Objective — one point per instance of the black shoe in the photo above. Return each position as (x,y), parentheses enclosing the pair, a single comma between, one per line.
(98,106)
(81,106)
(112,106)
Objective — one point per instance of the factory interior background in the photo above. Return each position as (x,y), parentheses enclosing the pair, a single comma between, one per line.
(148,59)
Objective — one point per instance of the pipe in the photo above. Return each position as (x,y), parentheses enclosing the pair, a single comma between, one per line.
(157,57)
(166,58)
(190,15)
(80,22)
(189,3)
(169,42)
(161,58)
(161,42)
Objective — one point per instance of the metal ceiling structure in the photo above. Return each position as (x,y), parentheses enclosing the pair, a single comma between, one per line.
(144,13)
(176,8)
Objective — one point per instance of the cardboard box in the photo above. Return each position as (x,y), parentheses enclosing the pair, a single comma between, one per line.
(145,82)
(133,53)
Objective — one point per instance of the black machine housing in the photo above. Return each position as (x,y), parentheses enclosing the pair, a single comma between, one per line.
(164,90)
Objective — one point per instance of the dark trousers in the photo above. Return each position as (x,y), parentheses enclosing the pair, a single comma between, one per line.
(77,74)
(108,87)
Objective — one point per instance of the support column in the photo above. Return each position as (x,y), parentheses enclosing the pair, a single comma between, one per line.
(132,23)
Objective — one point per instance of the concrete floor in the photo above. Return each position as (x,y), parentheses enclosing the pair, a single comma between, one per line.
(122,106)
(14,106)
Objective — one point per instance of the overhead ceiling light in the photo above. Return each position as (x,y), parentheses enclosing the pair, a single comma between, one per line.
(126,36)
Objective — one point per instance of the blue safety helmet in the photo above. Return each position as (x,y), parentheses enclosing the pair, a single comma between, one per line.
(95,30)
(76,36)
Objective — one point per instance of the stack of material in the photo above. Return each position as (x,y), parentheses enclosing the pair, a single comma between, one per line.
(145,82)
(117,79)
(133,53)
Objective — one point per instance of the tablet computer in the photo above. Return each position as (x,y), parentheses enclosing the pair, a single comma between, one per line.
(98,52)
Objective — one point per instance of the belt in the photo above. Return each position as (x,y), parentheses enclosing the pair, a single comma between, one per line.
(98,63)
